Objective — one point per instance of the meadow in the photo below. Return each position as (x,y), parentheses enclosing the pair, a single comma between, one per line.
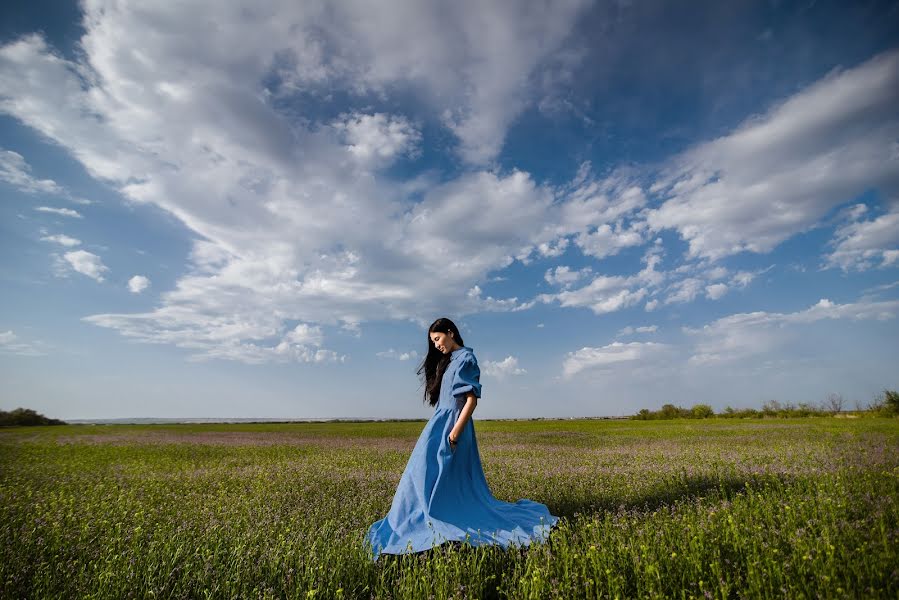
(717,508)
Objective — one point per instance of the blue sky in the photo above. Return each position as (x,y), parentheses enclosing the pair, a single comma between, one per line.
(216,210)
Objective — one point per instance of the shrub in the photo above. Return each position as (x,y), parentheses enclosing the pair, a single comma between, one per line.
(702,411)
(891,400)
(885,403)
(670,411)
(26,416)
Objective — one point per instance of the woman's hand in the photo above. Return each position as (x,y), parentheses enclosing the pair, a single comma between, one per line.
(453,440)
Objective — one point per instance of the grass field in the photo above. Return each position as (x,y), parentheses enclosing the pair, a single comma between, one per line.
(718,508)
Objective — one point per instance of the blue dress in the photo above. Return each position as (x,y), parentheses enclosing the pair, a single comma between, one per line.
(443,494)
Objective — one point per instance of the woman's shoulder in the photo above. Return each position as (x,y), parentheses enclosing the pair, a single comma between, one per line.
(465,354)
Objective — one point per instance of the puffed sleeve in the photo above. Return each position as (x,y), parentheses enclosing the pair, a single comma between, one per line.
(467,377)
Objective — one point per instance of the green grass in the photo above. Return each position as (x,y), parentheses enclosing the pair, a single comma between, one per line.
(718,508)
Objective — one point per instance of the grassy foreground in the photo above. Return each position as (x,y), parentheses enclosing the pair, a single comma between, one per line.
(676,509)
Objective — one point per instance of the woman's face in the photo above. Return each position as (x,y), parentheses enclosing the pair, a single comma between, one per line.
(443,341)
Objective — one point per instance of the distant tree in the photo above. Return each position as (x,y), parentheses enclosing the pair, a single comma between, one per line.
(26,416)
(890,402)
(670,411)
(643,415)
(834,402)
(771,408)
(702,411)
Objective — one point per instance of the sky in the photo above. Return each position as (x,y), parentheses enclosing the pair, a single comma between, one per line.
(239,210)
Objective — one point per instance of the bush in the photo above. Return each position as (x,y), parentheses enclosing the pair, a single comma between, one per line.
(702,411)
(26,416)
(670,411)
(885,403)
(891,400)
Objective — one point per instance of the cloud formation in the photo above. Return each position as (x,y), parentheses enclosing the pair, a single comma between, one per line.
(501,369)
(780,172)
(727,340)
(16,172)
(300,224)
(86,263)
(138,283)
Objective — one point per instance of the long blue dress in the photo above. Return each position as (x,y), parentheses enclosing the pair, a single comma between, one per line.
(443,494)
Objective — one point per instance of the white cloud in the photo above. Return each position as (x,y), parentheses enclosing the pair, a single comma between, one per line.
(593,202)
(863,244)
(552,249)
(86,263)
(744,334)
(564,276)
(608,356)
(608,241)
(731,340)
(65,212)
(287,224)
(605,293)
(292,222)
(391,353)
(378,138)
(628,330)
(779,173)
(16,172)
(138,283)
(684,290)
(503,368)
(715,291)
(744,278)
(61,239)
(472,62)
(305,334)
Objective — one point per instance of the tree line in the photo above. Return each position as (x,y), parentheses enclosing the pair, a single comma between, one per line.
(26,416)
(885,404)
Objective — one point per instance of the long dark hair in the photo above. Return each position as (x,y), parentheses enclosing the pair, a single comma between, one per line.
(435,362)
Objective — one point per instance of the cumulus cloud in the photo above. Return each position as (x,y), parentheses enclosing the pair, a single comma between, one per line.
(564,276)
(295,219)
(715,291)
(502,368)
(288,221)
(606,240)
(138,283)
(377,139)
(779,173)
(86,263)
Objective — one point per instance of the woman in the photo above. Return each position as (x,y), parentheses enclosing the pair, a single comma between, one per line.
(443,494)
